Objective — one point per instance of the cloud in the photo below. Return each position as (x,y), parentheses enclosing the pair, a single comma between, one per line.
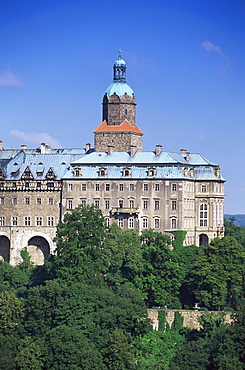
(36,138)
(10,78)
(211,48)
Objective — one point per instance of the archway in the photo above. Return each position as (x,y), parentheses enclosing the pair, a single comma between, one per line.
(39,249)
(203,240)
(4,248)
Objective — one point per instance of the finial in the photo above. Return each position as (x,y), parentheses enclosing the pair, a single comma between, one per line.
(120,52)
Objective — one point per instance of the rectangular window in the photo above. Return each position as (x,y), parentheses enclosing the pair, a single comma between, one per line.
(203,188)
(157,187)
(27,221)
(1,200)
(173,204)
(50,201)
(145,204)
(107,187)
(131,203)
(39,200)
(131,187)
(120,222)
(107,222)
(131,223)
(145,223)
(174,187)
(39,221)
(83,187)
(120,203)
(83,202)
(107,204)
(2,221)
(97,203)
(14,221)
(27,200)
(70,187)
(50,221)
(156,223)
(69,204)
(203,214)
(50,185)
(38,184)
(97,187)
(145,187)
(173,223)
(120,187)
(156,204)
(14,200)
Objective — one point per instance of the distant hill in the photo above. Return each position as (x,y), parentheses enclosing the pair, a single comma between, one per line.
(240,219)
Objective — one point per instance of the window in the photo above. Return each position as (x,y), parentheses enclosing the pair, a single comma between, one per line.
(126,172)
(50,221)
(173,223)
(14,200)
(14,185)
(77,172)
(156,223)
(203,188)
(157,187)
(83,187)
(131,187)
(156,204)
(39,200)
(97,187)
(125,111)
(145,187)
(173,204)
(50,185)
(83,202)
(97,203)
(107,204)
(144,223)
(2,200)
(14,221)
(69,203)
(38,184)
(145,204)
(131,203)
(174,187)
(102,172)
(107,222)
(50,201)
(120,222)
(39,221)
(70,187)
(120,203)
(151,172)
(131,223)
(27,184)
(27,221)
(2,221)
(120,187)
(107,187)
(203,214)
(27,200)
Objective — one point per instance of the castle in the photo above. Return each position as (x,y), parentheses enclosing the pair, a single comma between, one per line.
(161,190)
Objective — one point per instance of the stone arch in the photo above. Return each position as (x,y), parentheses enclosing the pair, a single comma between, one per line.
(203,240)
(39,249)
(4,248)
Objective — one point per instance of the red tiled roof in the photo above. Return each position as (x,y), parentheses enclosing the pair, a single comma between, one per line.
(124,127)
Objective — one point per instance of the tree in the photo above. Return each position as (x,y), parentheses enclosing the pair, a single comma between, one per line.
(11,312)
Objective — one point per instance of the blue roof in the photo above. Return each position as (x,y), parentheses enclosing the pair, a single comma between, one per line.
(120,88)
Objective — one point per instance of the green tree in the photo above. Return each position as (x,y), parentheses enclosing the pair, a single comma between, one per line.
(11,312)
(29,355)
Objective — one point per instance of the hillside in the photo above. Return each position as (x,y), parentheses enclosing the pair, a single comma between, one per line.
(239,219)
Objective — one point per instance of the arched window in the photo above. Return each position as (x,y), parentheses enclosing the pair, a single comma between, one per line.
(126,172)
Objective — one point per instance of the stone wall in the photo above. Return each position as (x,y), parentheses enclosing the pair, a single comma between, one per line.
(191,318)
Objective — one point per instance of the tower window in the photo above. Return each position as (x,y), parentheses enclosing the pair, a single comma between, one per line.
(125,111)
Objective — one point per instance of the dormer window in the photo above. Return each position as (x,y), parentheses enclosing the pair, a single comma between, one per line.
(151,172)
(77,172)
(126,172)
(102,172)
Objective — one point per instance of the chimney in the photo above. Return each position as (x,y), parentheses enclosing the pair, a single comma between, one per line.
(42,148)
(158,149)
(110,149)
(1,145)
(133,149)
(87,147)
(23,147)
(183,151)
(187,157)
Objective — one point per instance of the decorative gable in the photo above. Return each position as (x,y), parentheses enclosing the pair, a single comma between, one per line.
(50,174)
(27,175)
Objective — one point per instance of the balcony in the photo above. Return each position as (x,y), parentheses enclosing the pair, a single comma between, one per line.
(124,210)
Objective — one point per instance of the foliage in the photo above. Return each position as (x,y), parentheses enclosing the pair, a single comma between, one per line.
(178,322)
(11,312)
(179,238)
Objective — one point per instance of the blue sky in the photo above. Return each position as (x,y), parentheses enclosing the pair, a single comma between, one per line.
(185,62)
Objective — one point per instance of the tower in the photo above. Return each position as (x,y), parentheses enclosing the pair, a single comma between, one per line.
(118,128)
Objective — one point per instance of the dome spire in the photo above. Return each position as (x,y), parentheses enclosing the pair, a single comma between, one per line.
(119,69)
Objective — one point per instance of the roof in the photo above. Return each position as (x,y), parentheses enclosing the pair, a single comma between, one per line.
(124,127)
(120,89)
